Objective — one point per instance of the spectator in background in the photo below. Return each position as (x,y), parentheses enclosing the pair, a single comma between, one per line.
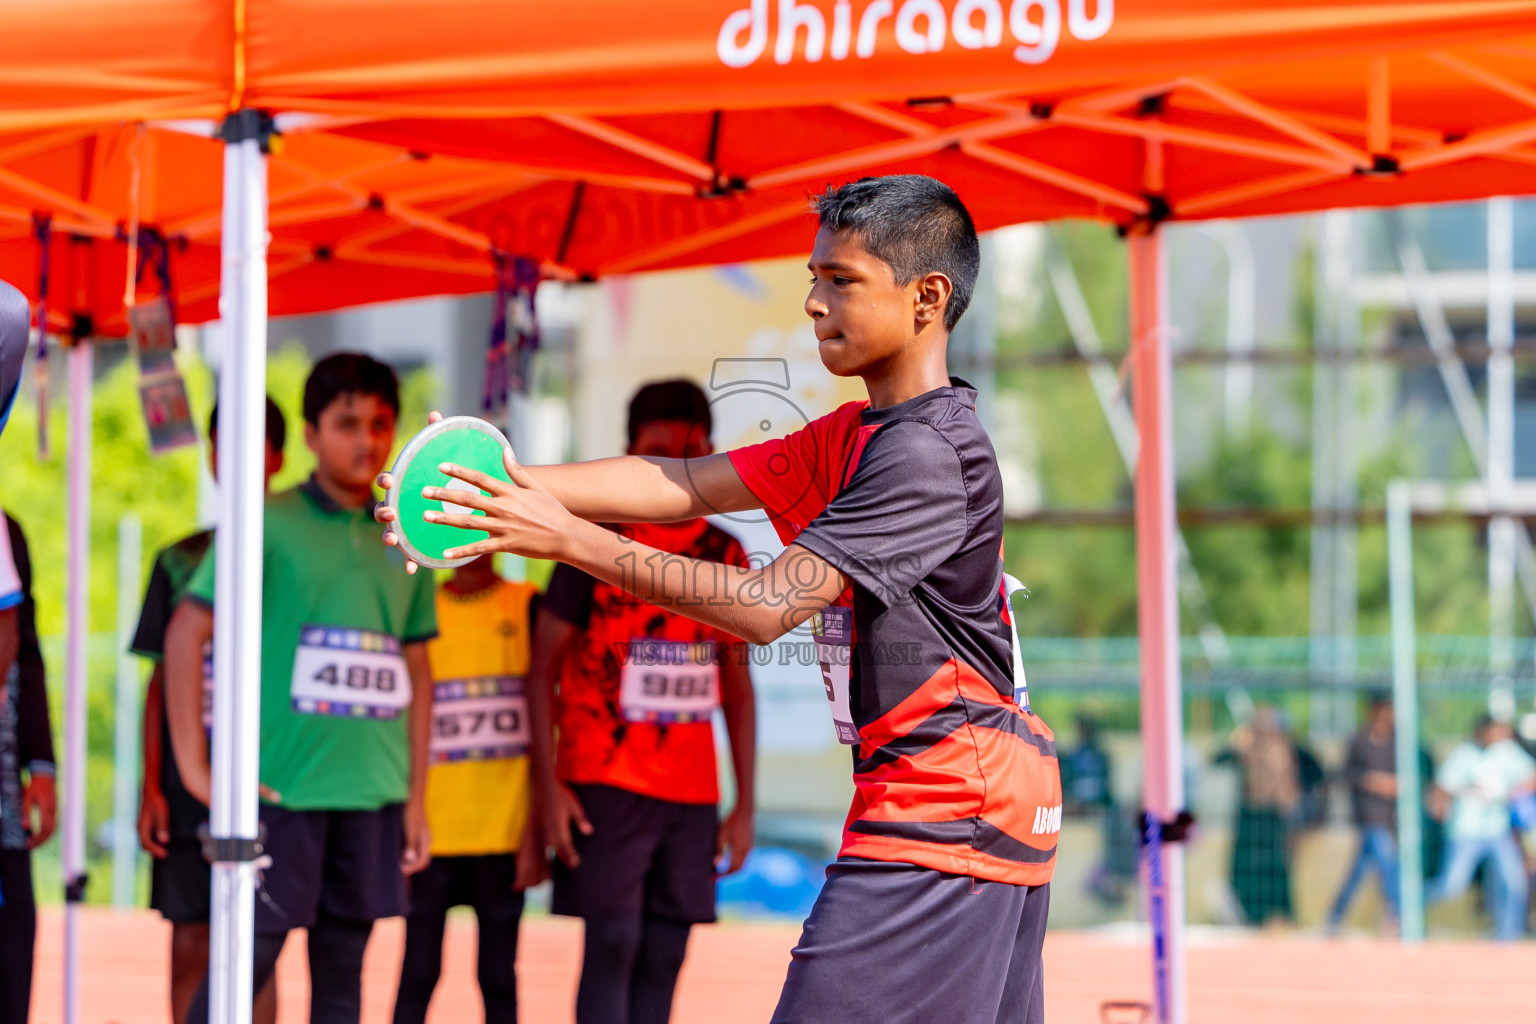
(1476,786)
(27,807)
(1087,793)
(1085,773)
(1269,769)
(1370,768)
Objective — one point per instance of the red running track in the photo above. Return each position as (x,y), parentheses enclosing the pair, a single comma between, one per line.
(734,972)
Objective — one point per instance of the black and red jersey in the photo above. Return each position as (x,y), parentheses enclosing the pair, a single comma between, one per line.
(950,772)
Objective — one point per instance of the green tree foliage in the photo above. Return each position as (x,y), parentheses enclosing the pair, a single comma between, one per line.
(1257,578)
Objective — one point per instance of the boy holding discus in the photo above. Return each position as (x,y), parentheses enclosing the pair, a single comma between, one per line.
(346,697)
(935,909)
(629,793)
(169,817)
(485,850)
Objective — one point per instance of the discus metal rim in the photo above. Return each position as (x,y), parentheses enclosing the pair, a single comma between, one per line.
(403,462)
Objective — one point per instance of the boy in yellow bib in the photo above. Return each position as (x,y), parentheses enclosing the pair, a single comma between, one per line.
(477,797)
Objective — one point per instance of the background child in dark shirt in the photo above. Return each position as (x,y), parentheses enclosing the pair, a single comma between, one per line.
(169,816)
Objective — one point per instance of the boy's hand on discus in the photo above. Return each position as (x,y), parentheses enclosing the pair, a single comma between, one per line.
(521,517)
(563,812)
(735,836)
(386,514)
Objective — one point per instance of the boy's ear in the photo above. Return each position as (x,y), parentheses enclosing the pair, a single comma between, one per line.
(933,292)
(310,430)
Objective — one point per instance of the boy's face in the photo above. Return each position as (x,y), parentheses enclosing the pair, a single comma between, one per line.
(671,439)
(863,317)
(352,439)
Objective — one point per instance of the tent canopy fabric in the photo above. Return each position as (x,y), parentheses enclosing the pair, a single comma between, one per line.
(421,139)
(118,60)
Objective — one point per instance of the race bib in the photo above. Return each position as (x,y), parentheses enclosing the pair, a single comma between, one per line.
(1012,586)
(208,687)
(667,682)
(832,629)
(352,673)
(479,719)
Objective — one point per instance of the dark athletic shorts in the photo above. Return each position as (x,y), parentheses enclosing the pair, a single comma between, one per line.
(644,856)
(892,943)
(180,884)
(343,864)
(482,881)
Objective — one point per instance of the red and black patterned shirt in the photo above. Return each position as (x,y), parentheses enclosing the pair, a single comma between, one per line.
(950,773)
(646,746)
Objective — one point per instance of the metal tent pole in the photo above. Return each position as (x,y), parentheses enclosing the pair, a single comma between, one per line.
(1162,719)
(125,747)
(1500,470)
(1242,289)
(78,569)
(1405,704)
(238,549)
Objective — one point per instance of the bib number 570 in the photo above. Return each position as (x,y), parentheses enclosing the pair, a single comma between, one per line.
(502,722)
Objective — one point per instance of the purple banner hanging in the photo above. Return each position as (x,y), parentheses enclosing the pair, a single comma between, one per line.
(493,401)
(162,391)
(514,334)
(42,230)
(525,321)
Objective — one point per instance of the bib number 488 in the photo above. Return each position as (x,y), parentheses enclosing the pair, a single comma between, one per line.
(358,677)
(351,673)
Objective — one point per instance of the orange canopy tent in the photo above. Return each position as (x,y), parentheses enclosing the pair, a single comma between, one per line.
(607,137)
(608,140)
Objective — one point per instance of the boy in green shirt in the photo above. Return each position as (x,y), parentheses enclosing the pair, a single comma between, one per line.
(346,696)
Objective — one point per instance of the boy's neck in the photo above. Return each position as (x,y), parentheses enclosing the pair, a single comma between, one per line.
(346,497)
(912,372)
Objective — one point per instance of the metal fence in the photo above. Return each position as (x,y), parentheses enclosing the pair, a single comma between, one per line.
(1248,866)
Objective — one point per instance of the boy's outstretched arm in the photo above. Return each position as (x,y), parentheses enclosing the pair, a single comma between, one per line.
(635,488)
(526,518)
(643,489)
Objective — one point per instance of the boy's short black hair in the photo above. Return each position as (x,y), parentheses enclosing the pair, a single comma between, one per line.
(348,373)
(277,426)
(914,223)
(675,401)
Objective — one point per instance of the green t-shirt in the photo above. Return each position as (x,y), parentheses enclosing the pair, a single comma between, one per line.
(334,731)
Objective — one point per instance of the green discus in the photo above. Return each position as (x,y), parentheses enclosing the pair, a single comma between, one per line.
(463,440)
